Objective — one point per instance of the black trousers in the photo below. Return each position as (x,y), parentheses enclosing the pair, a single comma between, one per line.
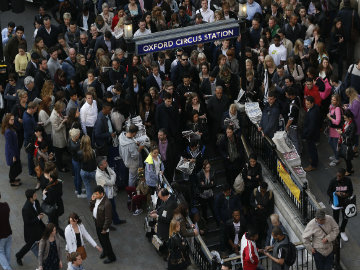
(15,170)
(55,220)
(336,215)
(25,249)
(89,131)
(105,244)
(59,152)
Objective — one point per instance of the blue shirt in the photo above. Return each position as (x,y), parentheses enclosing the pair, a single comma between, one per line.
(251,9)
(29,126)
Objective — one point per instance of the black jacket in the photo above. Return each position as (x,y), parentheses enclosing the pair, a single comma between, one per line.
(230,231)
(167,117)
(33,226)
(40,78)
(270,119)
(151,81)
(30,70)
(165,212)
(49,39)
(312,124)
(54,196)
(102,135)
(216,108)
(344,185)
(100,43)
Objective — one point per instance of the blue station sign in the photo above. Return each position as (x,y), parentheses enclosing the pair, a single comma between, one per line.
(202,34)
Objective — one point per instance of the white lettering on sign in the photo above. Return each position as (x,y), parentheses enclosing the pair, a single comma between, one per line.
(187,41)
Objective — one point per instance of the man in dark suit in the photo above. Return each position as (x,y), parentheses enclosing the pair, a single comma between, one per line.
(33,224)
(311,132)
(101,42)
(234,230)
(164,213)
(42,74)
(168,152)
(155,78)
(208,85)
(32,66)
(48,32)
(100,207)
(103,131)
(167,116)
(85,15)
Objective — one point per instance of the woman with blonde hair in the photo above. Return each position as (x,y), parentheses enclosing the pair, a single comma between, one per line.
(74,147)
(58,134)
(158,18)
(334,118)
(47,91)
(44,114)
(354,107)
(294,70)
(178,248)
(87,160)
(106,14)
(39,47)
(321,50)
(269,71)
(219,15)
(100,24)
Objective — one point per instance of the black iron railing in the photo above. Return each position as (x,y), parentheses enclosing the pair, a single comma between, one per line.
(298,191)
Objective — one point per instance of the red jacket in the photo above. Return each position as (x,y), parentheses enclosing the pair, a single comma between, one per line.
(314,92)
(249,254)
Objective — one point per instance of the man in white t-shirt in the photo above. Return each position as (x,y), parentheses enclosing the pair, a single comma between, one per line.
(142,31)
(278,51)
(206,13)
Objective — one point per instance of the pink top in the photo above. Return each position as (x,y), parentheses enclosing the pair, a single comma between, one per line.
(337,111)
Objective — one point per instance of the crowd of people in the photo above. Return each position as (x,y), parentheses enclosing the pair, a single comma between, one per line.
(70,97)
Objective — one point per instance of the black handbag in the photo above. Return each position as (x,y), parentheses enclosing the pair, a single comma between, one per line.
(48,209)
(29,148)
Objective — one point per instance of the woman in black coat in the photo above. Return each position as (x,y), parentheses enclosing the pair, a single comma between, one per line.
(207,184)
(147,113)
(178,248)
(198,126)
(252,176)
(337,45)
(347,141)
(52,195)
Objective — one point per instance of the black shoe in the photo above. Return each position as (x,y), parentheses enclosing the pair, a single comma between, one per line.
(109,261)
(112,228)
(121,221)
(19,261)
(102,256)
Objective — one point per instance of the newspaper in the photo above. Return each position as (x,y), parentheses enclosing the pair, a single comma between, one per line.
(140,136)
(190,135)
(253,111)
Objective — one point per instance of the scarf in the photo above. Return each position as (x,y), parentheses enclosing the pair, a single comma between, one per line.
(346,125)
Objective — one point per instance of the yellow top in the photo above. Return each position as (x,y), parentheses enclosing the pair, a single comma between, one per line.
(21,62)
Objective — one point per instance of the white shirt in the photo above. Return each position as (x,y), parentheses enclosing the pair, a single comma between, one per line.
(208,15)
(85,23)
(138,33)
(88,115)
(277,53)
(96,206)
(158,80)
(237,230)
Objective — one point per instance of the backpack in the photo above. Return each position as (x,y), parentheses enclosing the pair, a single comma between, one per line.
(291,253)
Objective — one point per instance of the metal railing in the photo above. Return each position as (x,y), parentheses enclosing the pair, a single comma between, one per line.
(303,260)
(200,254)
(264,147)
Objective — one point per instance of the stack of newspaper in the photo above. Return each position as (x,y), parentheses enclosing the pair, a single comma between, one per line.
(253,111)
(141,136)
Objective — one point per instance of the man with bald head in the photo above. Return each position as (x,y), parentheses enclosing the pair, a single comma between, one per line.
(68,65)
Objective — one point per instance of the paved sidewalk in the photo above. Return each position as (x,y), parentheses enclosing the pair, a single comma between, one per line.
(133,250)
(318,183)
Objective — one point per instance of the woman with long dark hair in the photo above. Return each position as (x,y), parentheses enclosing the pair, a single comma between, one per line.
(347,141)
(12,152)
(147,114)
(52,198)
(88,164)
(44,114)
(207,183)
(49,249)
(75,233)
(337,45)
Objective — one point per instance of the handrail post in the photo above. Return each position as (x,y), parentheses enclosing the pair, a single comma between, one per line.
(304,203)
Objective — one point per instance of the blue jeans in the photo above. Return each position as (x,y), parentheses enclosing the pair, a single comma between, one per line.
(5,248)
(115,216)
(88,179)
(333,144)
(77,177)
(324,262)
(294,137)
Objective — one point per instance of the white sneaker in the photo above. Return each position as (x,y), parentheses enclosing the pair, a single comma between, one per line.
(81,196)
(332,158)
(137,212)
(334,162)
(76,192)
(344,237)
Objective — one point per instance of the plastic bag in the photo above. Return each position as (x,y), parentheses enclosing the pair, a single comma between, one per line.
(185,166)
